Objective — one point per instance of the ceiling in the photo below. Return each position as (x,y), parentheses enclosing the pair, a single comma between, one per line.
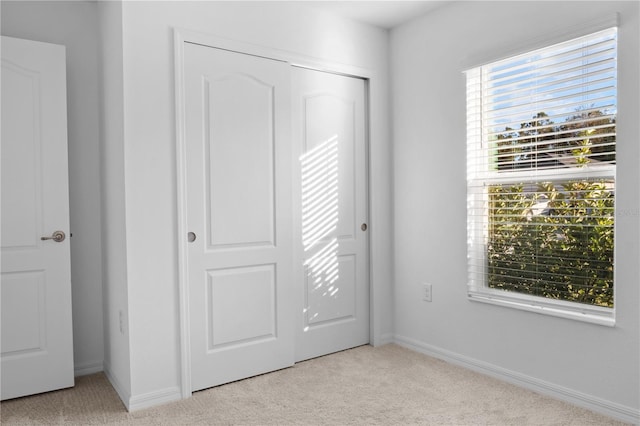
(384,14)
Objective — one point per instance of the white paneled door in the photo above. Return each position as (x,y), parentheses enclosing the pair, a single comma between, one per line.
(332,278)
(37,347)
(239,214)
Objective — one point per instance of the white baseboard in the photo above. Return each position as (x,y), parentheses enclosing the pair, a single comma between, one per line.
(138,402)
(120,390)
(599,405)
(87,368)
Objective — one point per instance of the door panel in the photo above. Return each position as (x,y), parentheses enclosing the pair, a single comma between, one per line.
(22,153)
(336,303)
(37,352)
(237,124)
(23,302)
(329,125)
(241,305)
(242,154)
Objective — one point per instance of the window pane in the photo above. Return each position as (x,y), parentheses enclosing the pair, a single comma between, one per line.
(552,108)
(553,240)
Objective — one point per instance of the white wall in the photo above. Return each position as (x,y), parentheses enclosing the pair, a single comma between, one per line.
(73,24)
(117,362)
(150,165)
(428,58)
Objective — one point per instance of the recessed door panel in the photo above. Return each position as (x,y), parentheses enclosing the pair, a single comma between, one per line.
(331,291)
(330,144)
(241,306)
(23,302)
(239,125)
(21,157)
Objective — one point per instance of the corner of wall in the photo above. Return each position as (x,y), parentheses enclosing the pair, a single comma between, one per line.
(120,388)
(117,364)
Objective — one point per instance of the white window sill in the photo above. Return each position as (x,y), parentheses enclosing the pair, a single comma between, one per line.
(584,313)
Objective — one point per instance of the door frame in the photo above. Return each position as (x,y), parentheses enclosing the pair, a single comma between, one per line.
(182,36)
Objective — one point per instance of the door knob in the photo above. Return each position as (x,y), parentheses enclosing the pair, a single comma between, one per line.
(191,237)
(57,236)
(363,226)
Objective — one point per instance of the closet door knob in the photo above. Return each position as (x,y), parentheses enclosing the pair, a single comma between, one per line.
(191,237)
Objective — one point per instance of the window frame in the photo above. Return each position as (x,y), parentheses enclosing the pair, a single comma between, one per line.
(480,177)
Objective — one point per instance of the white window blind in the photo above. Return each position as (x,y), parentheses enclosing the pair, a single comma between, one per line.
(541,137)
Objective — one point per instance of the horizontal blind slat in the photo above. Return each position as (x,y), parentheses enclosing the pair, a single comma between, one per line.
(526,113)
(493,87)
(606,110)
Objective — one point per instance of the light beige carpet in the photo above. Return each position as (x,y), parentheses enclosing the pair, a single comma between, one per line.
(389,385)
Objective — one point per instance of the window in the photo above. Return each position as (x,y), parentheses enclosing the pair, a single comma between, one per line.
(541,148)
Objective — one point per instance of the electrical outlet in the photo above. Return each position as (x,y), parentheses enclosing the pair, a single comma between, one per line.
(426,292)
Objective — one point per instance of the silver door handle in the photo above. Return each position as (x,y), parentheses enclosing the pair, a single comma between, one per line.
(57,236)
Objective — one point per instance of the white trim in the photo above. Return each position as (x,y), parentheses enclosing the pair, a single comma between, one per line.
(117,386)
(181,182)
(151,399)
(530,176)
(182,36)
(87,368)
(554,308)
(549,38)
(590,402)
(292,58)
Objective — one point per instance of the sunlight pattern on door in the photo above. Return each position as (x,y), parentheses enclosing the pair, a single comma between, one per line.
(320,217)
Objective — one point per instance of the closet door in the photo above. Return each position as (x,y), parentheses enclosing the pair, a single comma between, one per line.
(332,271)
(239,214)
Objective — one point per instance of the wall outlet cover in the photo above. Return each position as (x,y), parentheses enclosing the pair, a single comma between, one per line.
(426,292)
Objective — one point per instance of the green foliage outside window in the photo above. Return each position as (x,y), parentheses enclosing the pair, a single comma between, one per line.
(564,254)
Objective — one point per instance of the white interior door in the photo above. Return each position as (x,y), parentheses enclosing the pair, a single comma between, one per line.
(37,347)
(239,211)
(332,278)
